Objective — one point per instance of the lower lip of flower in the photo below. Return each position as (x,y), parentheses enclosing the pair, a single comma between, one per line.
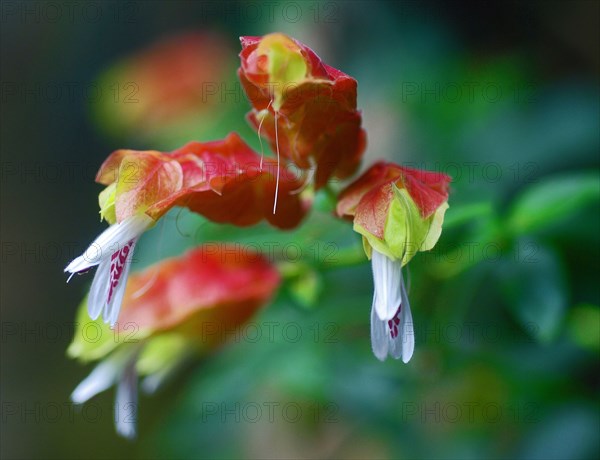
(117,264)
(394,323)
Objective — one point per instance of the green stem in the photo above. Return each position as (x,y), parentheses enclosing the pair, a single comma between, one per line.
(346,257)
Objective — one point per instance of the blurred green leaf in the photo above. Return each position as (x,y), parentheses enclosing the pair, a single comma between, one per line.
(460,214)
(584,326)
(535,289)
(552,200)
(322,241)
(564,432)
(306,288)
(454,257)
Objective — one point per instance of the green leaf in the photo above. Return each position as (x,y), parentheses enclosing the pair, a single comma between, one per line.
(533,285)
(320,242)
(552,200)
(460,214)
(584,326)
(306,288)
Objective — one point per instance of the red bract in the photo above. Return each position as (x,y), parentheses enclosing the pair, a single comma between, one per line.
(192,303)
(165,84)
(141,178)
(224,180)
(208,291)
(172,72)
(368,198)
(305,108)
(399,212)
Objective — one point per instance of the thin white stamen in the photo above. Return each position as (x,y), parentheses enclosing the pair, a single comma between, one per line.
(278,159)
(262,151)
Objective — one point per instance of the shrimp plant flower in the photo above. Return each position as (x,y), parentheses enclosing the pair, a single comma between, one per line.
(172,311)
(224,180)
(303,107)
(307,111)
(399,211)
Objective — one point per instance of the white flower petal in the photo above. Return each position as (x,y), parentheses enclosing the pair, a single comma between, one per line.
(99,290)
(155,381)
(407,331)
(113,305)
(120,234)
(387,278)
(81,263)
(379,334)
(126,402)
(101,378)
(109,241)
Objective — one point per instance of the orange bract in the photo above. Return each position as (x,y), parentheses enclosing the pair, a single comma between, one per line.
(368,198)
(215,286)
(222,180)
(318,124)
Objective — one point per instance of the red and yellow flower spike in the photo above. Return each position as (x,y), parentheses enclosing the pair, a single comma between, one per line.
(178,307)
(398,211)
(224,180)
(305,108)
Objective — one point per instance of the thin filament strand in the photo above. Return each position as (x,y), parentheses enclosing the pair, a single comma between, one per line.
(278,159)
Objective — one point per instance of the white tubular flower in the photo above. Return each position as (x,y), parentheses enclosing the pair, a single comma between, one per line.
(391,319)
(112,252)
(399,211)
(119,369)
(126,401)
(101,378)
(387,277)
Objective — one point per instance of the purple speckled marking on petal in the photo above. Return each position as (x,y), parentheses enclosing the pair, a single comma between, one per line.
(117,264)
(394,322)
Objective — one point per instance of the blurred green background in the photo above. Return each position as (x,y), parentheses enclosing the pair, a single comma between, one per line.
(503,96)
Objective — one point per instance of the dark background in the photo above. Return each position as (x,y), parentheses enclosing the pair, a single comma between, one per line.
(544,57)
